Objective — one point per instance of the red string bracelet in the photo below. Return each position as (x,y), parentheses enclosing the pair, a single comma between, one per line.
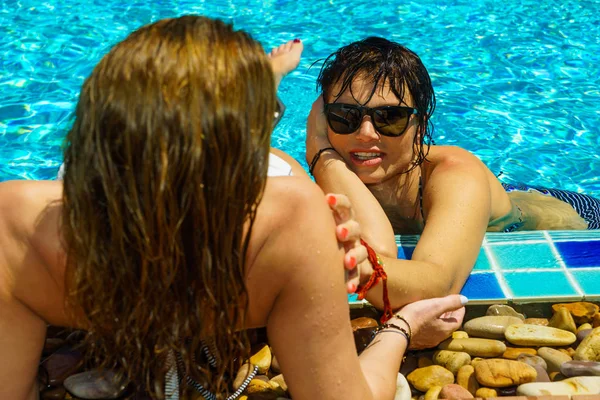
(377,276)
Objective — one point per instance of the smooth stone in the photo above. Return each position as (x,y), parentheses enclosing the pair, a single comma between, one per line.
(262,359)
(535,335)
(490,327)
(278,379)
(596,320)
(582,334)
(362,338)
(402,388)
(536,321)
(498,373)
(512,353)
(263,378)
(241,375)
(589,348)
(554,358)
(570,386)
(501,309)
(580,368)
(453,391)
(475,347)
(96,384)
(584,327)
(460,335)
(275,365)
(562,319)
(62,364)
(534,361)
(542,375)
(363,322)
(433,393)
(582,311)
(486,392)
(258,386)
(476,360)
(451,360)
(466,378)
(57,393)
(424,362)
(423,379)
(507,391)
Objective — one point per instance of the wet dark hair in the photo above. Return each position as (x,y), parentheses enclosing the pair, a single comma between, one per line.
(384,61)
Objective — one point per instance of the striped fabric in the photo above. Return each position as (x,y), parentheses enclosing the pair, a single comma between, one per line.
(586,206)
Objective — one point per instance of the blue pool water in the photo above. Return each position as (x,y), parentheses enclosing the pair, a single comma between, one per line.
(517,82)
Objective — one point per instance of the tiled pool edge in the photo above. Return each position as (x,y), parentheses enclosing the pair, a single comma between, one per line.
(528,267)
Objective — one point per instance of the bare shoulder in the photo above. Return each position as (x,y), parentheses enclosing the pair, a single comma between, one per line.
(297,169)
(21,202)
(453,157)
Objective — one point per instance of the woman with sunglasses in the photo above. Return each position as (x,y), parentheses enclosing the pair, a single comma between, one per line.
(369,137)
(170,229)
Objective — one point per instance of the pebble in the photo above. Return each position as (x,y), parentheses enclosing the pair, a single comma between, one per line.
(582,311)
(453,391)
(542,375)
(554,358)
(433,393)
(424,378)
(242,374)
(589,348)
(534,361)
(362,338)
(584,327)
(501,309)
(578,385)
(280,381)
(460,335)
(402,388)
(475,347)
(96,384)
(409,365)
(490,327)
(498,373)
(536,321)
(580,368)
(534,335)
(466,378)
(363,322)
(62,364)
(512,353)
(262,359)
(596,320)
(451,360)
(486,392)
(582,334)
(562,319)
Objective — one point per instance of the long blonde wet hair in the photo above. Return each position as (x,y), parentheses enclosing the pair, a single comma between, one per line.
(164,167)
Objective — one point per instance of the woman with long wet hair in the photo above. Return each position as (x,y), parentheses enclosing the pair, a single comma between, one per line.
(170,230)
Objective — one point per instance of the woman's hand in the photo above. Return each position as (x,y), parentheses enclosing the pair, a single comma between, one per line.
(432,320)
(316,130)
(347,231)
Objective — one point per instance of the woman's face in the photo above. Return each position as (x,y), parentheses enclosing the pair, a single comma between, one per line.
(373,157)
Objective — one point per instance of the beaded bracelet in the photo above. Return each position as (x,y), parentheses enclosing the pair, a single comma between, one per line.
(392,328)
(401,318)
(313,163)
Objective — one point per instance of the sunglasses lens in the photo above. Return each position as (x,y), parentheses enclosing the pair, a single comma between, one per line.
(343,119)
(391,121)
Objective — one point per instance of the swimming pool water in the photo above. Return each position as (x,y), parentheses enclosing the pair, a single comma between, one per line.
(517,82)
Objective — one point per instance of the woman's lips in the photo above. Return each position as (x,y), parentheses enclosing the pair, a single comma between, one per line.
(366,158)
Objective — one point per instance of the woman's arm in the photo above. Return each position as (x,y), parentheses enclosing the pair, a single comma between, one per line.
(309,326)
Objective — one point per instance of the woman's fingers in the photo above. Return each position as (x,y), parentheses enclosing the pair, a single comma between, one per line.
(355,256)
(341,207)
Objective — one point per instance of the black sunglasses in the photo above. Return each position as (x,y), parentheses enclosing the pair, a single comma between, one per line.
(387,120)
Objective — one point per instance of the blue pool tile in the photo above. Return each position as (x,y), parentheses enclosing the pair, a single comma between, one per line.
(589,280)
(405,252)
(482,263)
(482,286)
(526,256)
(580,254)
(539,283)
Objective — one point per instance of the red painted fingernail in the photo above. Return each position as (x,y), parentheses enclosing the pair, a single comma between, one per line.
(296,40)
(351,288)
(331,200)
(344,233)
(353,262)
